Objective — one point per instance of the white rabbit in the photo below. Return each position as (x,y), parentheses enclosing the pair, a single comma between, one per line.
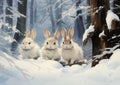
(28,48)
(71,52)
(50,50)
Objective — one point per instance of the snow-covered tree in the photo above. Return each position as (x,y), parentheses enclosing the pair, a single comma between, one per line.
(99,10)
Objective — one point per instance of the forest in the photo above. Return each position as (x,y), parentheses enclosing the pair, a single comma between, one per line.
(96,30)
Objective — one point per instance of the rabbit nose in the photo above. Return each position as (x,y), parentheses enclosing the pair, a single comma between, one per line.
(50,46)
(66,47)
(25,47)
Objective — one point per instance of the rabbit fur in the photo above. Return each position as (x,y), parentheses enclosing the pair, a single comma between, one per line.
(71,52)
(28,48)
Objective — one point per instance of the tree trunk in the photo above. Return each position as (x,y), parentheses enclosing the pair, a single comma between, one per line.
(86,16)
(31,14)
(58,14)
(1,7)
(35,13)
(21,24)
(99,10)
(21,21)
(4,11)
(9,19)
(79,27)
(52,18)
(15,5)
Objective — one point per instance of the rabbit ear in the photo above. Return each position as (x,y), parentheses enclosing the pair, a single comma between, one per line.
(27,33)
(71,32)
(46,33)
(64,32)
(57,34)
(33,33)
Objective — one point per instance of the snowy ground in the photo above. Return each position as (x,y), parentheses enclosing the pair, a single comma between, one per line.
(39,72)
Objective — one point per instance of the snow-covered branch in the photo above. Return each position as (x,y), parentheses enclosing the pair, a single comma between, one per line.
(102,34)
(15,12)
(107,51)
(87,34)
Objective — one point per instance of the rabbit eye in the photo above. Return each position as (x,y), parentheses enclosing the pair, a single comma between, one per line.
(54,43)
(63,42)
(70,42)
(29,43)
(47,43)
(22,43)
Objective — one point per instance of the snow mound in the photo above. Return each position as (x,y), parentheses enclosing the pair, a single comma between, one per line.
(42,72)
(111,16)
(114,60)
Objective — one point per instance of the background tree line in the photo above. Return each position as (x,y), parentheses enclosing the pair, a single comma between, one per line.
(54,14)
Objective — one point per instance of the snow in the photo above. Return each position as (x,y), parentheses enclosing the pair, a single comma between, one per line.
(15,12)
(102,34)
(87,32)
(100,8)
(47,72)
(114,60)
(111,16)
(41,72)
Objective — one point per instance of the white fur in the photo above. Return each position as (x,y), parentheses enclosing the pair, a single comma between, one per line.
(51,55)
(33,50)
(28,48)
(50,51)
(70,51)
(75,54)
